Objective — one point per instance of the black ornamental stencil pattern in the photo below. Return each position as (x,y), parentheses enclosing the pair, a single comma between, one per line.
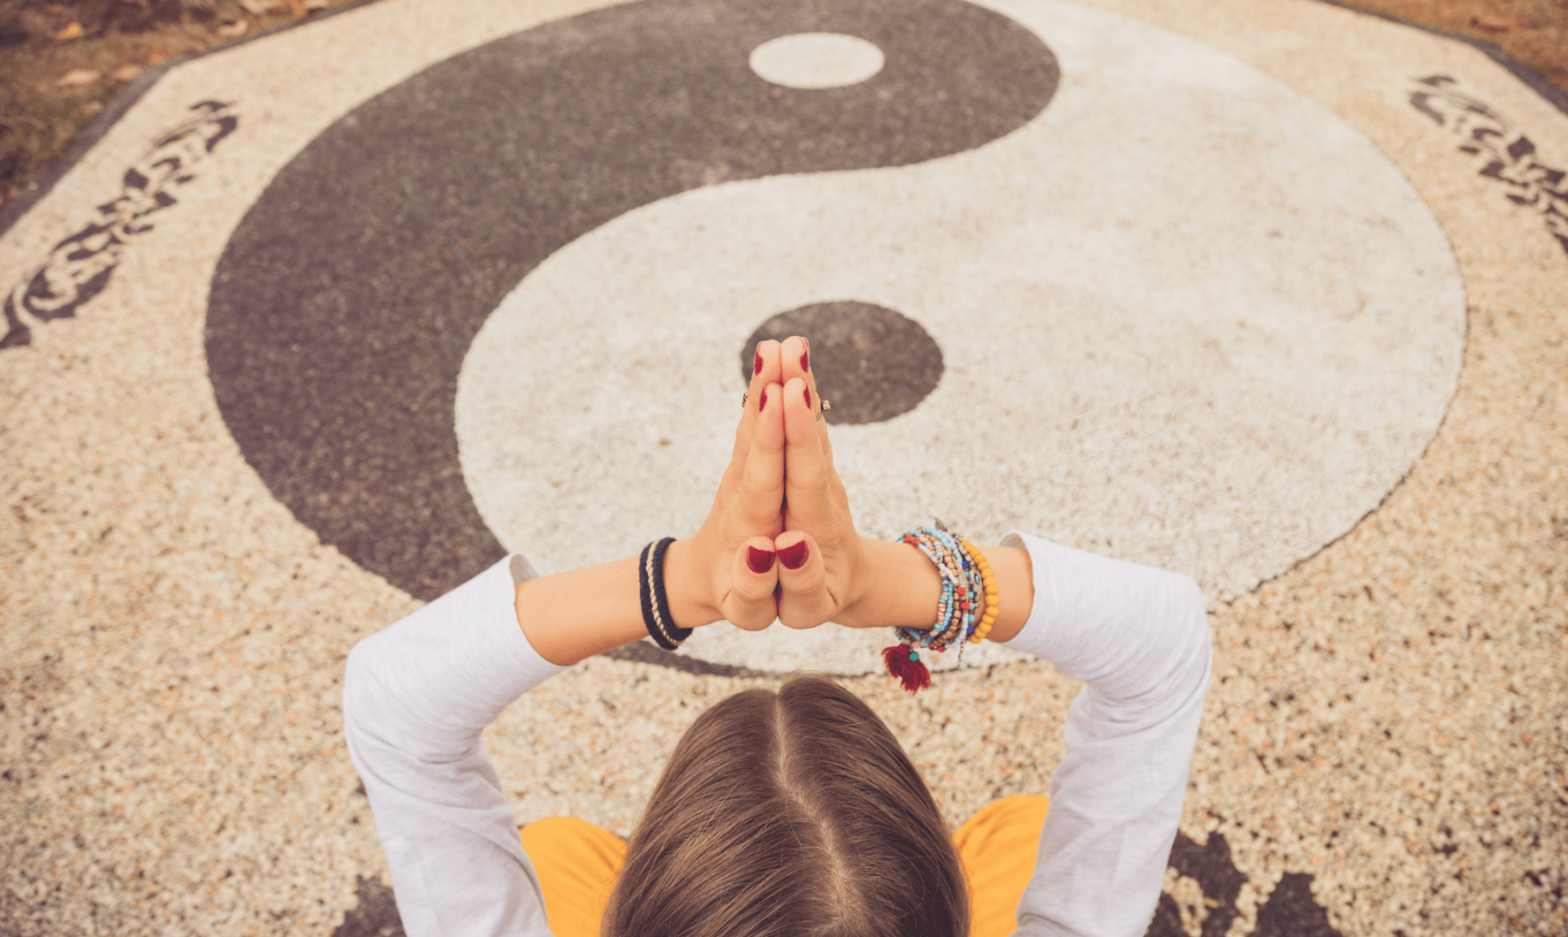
(81,265)
(1505,153)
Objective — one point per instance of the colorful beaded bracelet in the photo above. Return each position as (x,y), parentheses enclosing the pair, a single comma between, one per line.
(966,609)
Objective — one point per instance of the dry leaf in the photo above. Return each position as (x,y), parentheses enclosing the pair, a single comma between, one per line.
(126,73)
(77,77)
(157,58)
(73,31)
(259,7)
(1494,24)
(233,30)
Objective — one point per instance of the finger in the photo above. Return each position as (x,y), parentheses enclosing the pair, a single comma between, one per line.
(807,485)
(801,367)
(751,604)
(762,475)
(795,361)
(803,593)
(795,358)
(765,369)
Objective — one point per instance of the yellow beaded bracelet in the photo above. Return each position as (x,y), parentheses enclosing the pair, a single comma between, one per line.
(992,597)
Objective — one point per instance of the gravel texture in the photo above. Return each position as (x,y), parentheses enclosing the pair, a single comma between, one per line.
(1383,748)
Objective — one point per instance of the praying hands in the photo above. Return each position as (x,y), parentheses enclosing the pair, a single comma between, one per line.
(779,544)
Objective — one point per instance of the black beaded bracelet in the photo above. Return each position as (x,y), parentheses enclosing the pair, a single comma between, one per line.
(655,603)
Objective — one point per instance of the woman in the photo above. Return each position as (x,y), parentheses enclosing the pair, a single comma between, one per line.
(791,812)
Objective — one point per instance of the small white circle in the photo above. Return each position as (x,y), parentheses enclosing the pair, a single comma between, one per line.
(816,60)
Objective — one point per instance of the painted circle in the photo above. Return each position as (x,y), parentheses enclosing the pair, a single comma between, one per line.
(1207,345)
(816,60)
(870,362)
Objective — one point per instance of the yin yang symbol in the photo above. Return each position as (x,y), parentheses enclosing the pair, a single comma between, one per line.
(501,305)
(346,301)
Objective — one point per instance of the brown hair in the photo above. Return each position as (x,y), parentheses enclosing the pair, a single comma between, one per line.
(792,813)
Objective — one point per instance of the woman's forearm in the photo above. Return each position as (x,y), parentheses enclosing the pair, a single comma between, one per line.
(572,616)
(902,588)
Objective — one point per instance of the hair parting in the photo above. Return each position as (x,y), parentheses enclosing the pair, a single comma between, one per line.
(792,813)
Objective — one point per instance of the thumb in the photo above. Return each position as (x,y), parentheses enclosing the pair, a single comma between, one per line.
(750,604)
(803,600)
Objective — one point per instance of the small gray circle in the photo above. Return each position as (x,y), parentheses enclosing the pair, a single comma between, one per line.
(872,362)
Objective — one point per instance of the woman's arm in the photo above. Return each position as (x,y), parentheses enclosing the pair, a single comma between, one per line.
(417,695)
(1139,638)
(573,616)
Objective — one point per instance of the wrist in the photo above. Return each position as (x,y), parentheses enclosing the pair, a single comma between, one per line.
(896,586)
(688,585)
(1014,572)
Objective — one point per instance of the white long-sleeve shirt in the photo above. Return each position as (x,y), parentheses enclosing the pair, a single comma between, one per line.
(418,694)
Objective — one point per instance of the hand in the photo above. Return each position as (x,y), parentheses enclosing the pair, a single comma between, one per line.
(828,571)
(731,567)
(730,560)
(821,556)
(727,569)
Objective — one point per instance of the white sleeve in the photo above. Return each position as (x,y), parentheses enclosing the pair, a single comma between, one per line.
(1139,638)
(415,698)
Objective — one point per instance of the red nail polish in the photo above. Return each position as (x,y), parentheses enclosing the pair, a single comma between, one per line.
(808,397)
(756,368)
(805,360)
(794,557)
(760,561)
(762,400)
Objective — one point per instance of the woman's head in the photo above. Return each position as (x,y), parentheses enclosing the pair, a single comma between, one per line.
(791,813)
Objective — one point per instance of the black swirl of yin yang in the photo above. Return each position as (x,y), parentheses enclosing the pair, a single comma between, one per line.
(348,296)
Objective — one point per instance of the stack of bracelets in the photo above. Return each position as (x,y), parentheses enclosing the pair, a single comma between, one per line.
(966,610)
(655,603)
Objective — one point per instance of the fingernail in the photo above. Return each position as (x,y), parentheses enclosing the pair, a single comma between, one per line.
(760,561)
(756,367)
(805,359)
(808,397)
(794,557)
(762,400)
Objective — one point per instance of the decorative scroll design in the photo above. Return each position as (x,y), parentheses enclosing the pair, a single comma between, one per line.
(80,266)
(1203,899)
(1506,154)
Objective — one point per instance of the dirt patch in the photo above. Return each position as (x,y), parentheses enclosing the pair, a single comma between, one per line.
(1534,32)
(62,63)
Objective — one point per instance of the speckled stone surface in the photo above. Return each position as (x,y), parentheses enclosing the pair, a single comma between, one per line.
(1383,749)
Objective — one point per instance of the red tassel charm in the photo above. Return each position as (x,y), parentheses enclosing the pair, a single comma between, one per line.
(904,663)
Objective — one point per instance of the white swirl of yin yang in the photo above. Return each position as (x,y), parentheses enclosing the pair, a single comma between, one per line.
(1188,317)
